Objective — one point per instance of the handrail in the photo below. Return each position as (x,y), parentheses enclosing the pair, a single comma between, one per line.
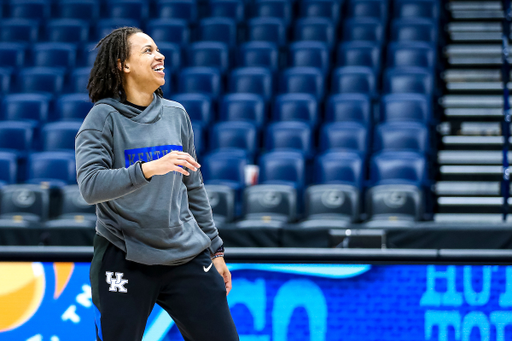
(505,75)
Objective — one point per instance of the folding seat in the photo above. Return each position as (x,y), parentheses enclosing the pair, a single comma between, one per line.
(73,107)
(8,167)
(197,128)
(340,168)
(60,136)
(235,135)
(210,54)
(296,107)
(375,9)
(417,29)
(282,168)
(258,54)
(79,79)
(349,107)
(79,9)
(415,54)
(225,168)
(31,202)
(73,205)
(5,79)
(169,31)
(33,108)
(302,80)
(12,55)
(67,31)
(54,55)
(296,136)
(267,29)
(128,9)
(16,137)
(77,221)
(233,9)
(19,30)
(177,9)
(222,201)
(198,106)
(168,88)
(354,79)
(254,80)
(29,9)
(88,53)
(363,29)
(55,168)
(405,107)
(344,136)
(316,29)
(329,9)
(218,29)
(402,136)
(243,107)
(281,9)
(105,26)
(359,53)
(203,80)
(309,53)
(412,9)
(408,80)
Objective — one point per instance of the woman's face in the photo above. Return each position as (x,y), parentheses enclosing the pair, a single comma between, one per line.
(145,66)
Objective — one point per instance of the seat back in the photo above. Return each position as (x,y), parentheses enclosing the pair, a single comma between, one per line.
(67,31)
(19,30)
(351,136)
(209,54)
(48,166)
(177,9)
(398,168)
(12,55)
(281,9)
(59,136)
(303,80)
(233,9)
(267,29)
(224,167)
(395,202)
(408,80)
(54,55)
(417,29)
(282,167)
(198,106)
(405,107)
(73,203)
(233,134)
(363,29)
(309,54)
(402,136)
(255,80)
(222,201)
(31,201)
(315,29)
(18,107)
(258,54)
(79,9)
(203,80)
(16,136)
(71,107)
(329,9)
(290,135)
(354,79)
(340,168)
(8,167)
(130,9)
(296,107)
(41,79)
(277,202)
(332,202)
(221,30)
(243,107)
(169,31)
(375,9)
(359,53)
(348,107)
(411,54)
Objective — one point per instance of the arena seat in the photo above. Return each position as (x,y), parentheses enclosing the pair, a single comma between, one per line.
(284,167)
(29,9)
(105,26)
(12,55)
(19,30)
(290,136)
(405,107)
(235,135)
(402,136)
(198,106)
(408,80)
(225,168)
(269,206)
(79,79)
(354,79)
(375,9)
(67,31)
(209,54)
(303,80)
(128,9)
(309,54)
(218,29)
(197,128)
(8,166)
(30,202)
(16,137)
(79,9)
(233,9)
(340,168)
(359,53)
(60,136)
(411,54)
(73,205)
(243,107)
(258,54)
(281,9)
(169,31)
(256,80)
(348,107)
(55,168)
(54,55)
(73,107)
(347,136)
(416,29)
(5,79)
(172,54)
(329,9)
(396,167)
(363,29)
(412,9)
(315,29)
(296,107)
(204,80)
(177,9)
(267,29)
(222,201)
(33,108)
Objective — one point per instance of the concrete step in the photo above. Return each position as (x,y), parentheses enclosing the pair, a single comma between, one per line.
(473,140)
(470,173)
(467,188)
(472,101)
(478,205)
(474,113)
(473,157)
(470,218)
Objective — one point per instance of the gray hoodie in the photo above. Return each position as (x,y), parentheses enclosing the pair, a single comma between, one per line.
(166,220)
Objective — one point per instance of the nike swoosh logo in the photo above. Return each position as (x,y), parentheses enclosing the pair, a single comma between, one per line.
(206,269)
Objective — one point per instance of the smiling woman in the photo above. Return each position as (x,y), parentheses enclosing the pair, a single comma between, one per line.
(156,239)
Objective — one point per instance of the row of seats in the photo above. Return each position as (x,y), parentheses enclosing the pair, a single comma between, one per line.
(238,10)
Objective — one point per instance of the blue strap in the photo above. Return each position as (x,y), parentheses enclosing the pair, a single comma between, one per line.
(505,124)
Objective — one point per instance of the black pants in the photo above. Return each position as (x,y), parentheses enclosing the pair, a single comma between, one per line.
(125,292)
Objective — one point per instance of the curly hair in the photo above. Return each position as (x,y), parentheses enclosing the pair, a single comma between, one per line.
(105,79)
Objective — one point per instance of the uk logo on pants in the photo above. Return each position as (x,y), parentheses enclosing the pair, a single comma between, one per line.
(117,284)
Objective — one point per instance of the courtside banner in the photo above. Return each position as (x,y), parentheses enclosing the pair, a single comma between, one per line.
(277,302)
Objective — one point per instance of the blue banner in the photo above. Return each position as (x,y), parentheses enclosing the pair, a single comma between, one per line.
(148,153)
(277,302)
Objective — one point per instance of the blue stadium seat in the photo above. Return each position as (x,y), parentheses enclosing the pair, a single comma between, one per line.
(354,79)
(254,80)
(315,29)
(329,9)
(8,168)
(60,136)
(290,135)
(169,31)
(408,80)
(172,54)
(282,168)
(375,9)
(309,53)
(233,9)
(26,107)
(88,53)
(389,168)
(209,54)
(340,168)
(56,168)
(222,201)
(67,31)
(363,29)
(12,55)
(243,107)
(73,107)
(16,137)
(225,168)
(218,29)
(258,54)
(177,9)
(79,79)
(344,136)
(105,26)
(128,9)
(296,107)
(19,30)
(413,30)
(303,80)
(73,204)
(281,9)
(198,107)
(5,79)
(349,107)
(168,88)
(79,9)
(231,135)
(409,9)
(29,201)
(416,54)
(203,80)
(29,9)
(267,29)
(359,53)
(54,55)
(197,128)
(405,107)
(402,136)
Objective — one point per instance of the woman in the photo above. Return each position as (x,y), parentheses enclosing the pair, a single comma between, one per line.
(156,240)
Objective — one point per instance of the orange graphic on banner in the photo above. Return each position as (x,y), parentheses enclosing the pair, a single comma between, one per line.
(63,272)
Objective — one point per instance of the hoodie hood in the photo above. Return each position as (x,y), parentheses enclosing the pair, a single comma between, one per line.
(151,114)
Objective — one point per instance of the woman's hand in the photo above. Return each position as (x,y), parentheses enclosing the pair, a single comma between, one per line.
(170,162)
(222,269)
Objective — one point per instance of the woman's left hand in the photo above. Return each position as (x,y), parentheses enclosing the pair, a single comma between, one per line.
(222,268)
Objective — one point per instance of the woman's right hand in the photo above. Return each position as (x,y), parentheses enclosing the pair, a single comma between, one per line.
(170,162)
